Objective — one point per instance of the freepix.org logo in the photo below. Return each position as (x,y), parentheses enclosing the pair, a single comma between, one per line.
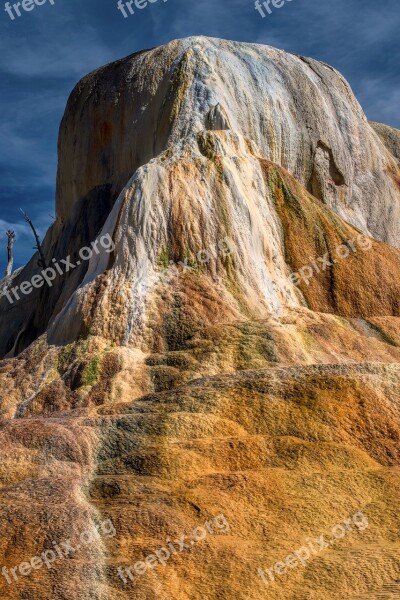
(60,550)
(58,268)
(267,6)
(13,10)
(126,7)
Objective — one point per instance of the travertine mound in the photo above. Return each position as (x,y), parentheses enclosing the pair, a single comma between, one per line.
(163,150)
(191,372)
(299,113)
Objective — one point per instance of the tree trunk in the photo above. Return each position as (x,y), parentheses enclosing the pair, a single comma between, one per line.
(11,238)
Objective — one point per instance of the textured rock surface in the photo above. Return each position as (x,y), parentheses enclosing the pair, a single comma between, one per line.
(130,131)
(284,451)
(390,137)
(161,396)
(299,113)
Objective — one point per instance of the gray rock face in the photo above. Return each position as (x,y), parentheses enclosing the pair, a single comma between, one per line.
(135,148)
(390,137)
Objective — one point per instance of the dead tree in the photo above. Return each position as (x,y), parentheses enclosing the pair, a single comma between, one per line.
(42,261)
(11,238)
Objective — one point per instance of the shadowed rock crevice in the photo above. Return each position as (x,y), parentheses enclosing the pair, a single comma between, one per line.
(217,118)
(325,173)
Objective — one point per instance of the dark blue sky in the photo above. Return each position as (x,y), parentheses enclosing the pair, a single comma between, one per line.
(44,53)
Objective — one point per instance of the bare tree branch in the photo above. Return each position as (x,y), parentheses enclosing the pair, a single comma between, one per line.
(42,261)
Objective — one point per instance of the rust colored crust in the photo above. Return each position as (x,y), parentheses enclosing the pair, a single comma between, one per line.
(366,283)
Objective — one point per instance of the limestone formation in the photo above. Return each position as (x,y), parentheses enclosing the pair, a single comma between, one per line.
(237,353)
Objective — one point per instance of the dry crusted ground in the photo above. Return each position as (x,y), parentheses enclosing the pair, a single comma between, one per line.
(240,421)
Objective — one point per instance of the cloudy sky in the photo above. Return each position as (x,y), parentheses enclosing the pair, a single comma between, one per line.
(44,52)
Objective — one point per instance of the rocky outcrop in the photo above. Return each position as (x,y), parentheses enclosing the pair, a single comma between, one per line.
(209,112)
(234,352)
(299,113)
